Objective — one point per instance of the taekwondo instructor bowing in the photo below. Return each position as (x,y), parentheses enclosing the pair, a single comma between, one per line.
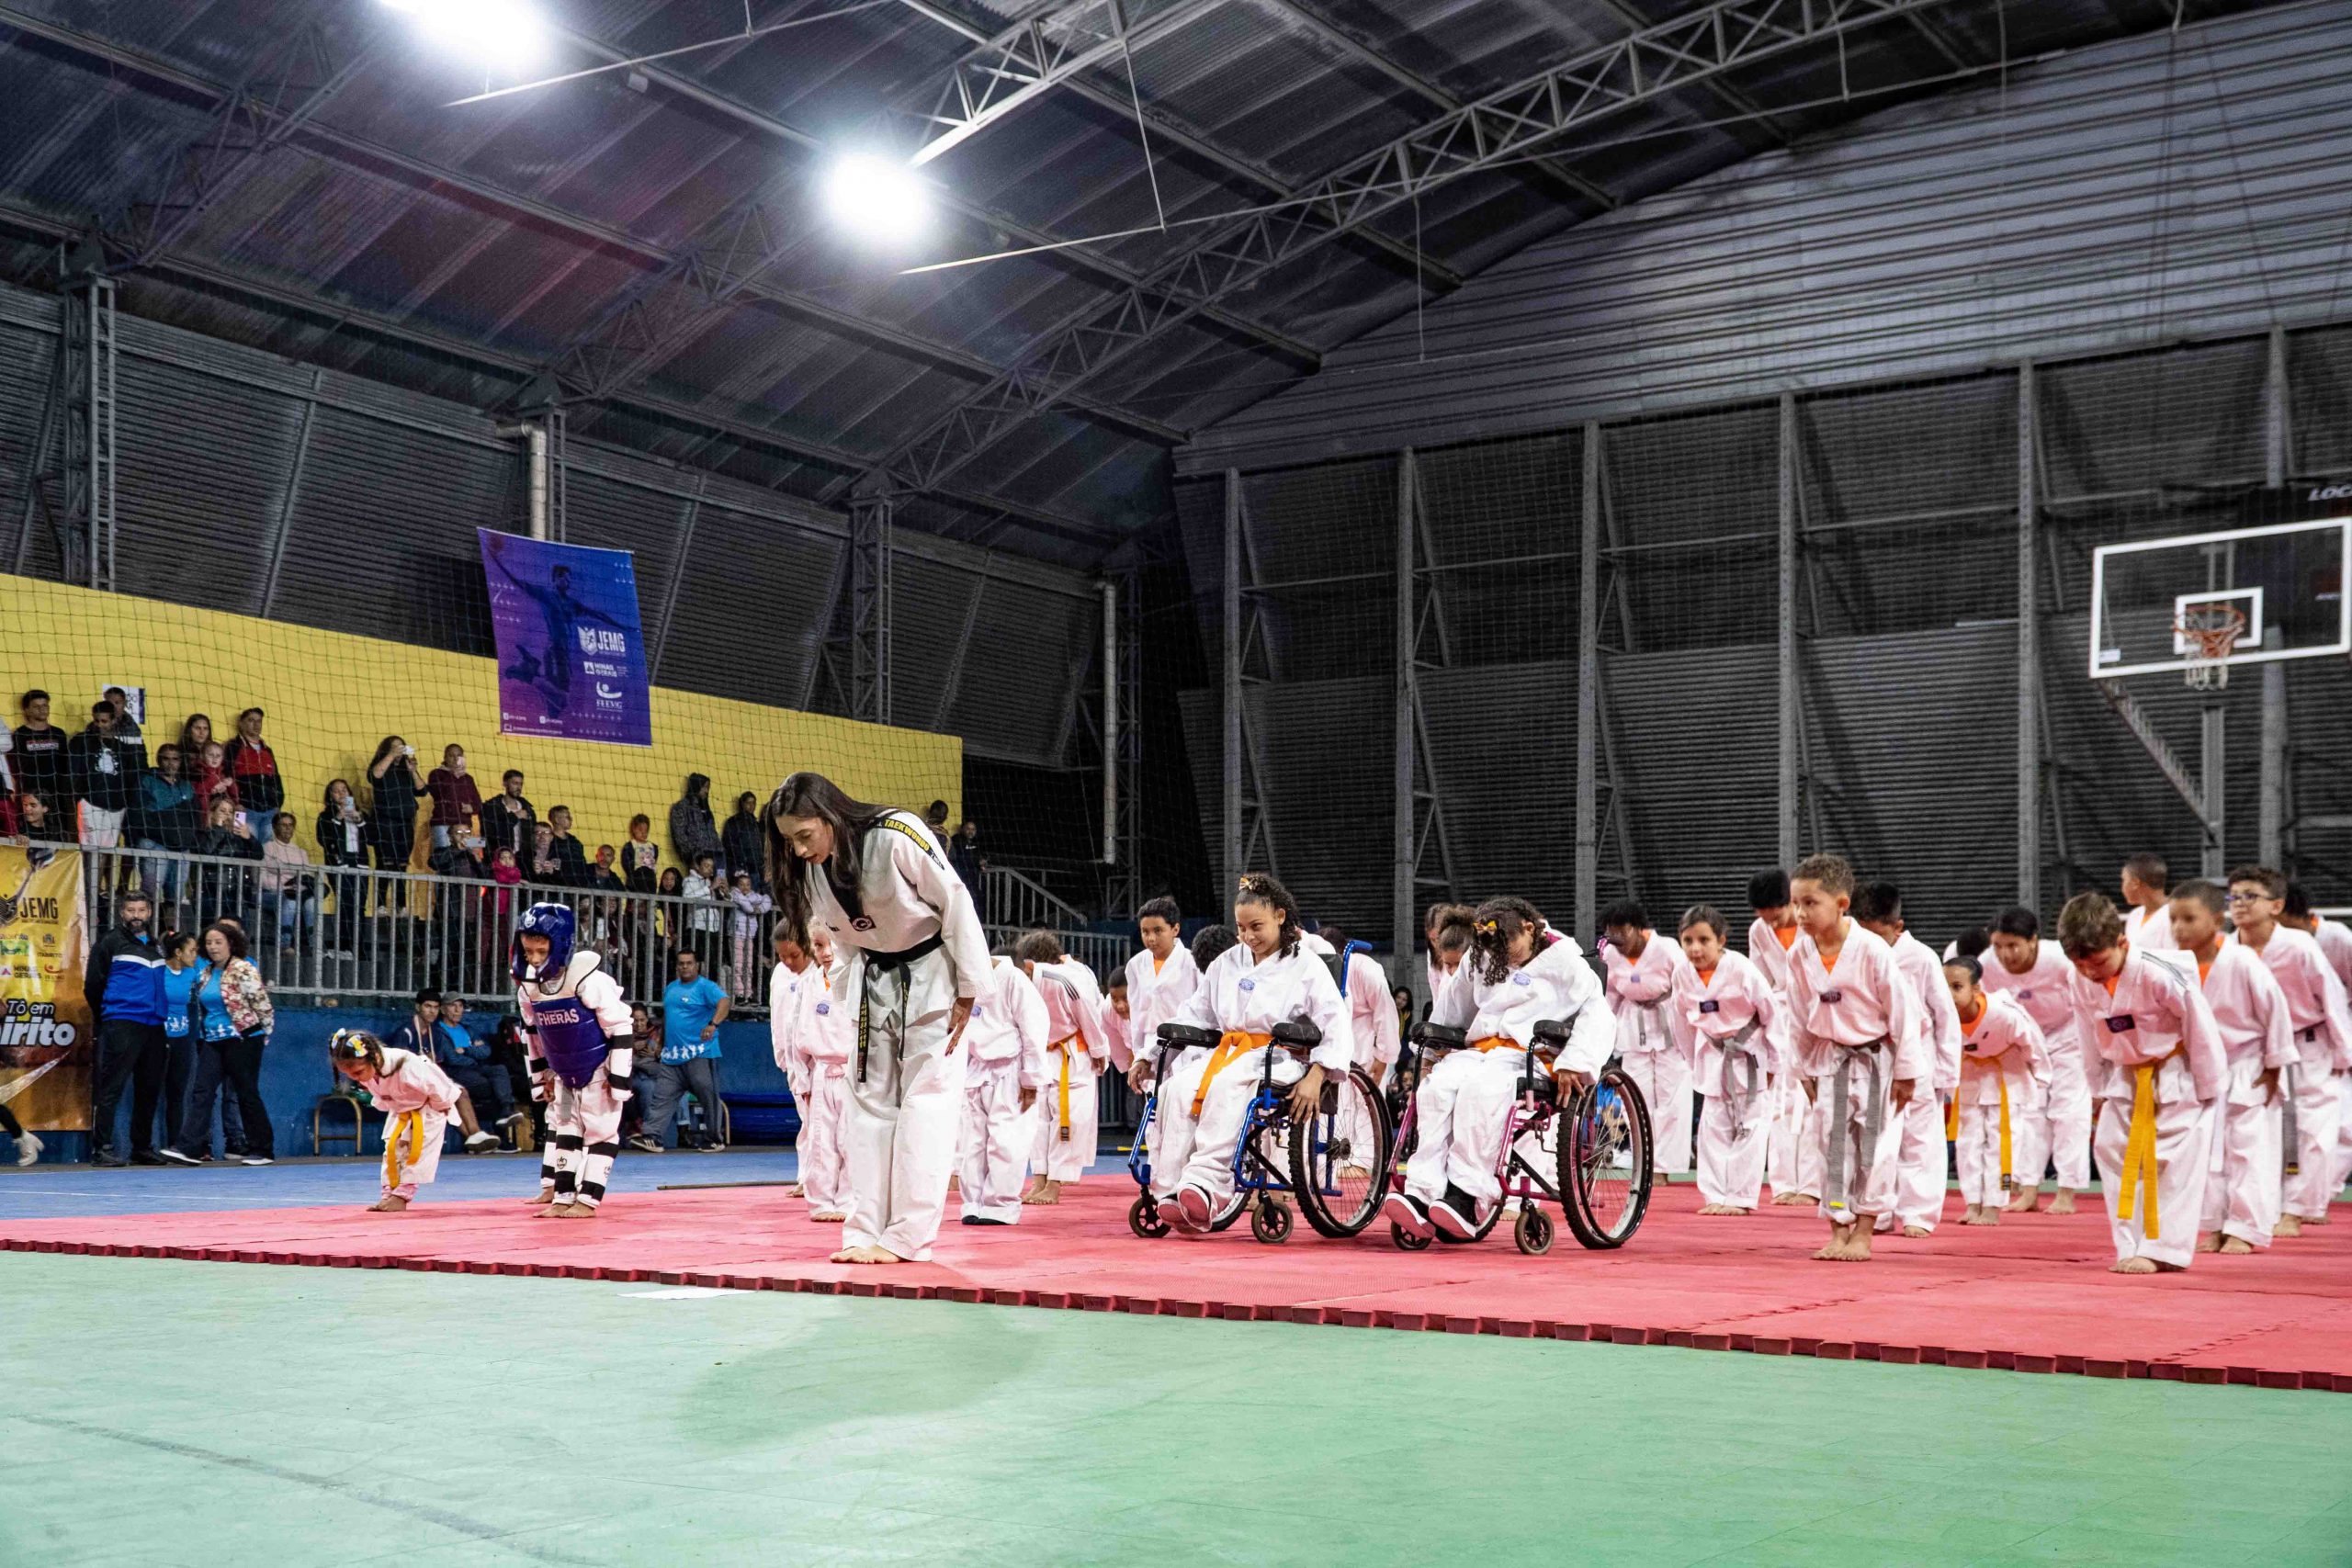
(914,956)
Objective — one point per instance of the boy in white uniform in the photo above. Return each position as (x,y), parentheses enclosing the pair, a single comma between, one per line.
(416,1097)
(1856,1035)
(2002,1067)
(2335,941)
(1920,1186)
(1521,974)
(581,1055)
(2147,910)
(1653,1042)
(914,955)
(1078,1049)
(2159,1067)
(2059,1133)
(1770,937)
(1742,1031)
(1209,944)
(1268,978)
(1161,977)
(2242,1178)
(1006,1039)
(2316,1013)
(814,1036)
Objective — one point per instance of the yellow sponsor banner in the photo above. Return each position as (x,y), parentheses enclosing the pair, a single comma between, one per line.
(45,1046)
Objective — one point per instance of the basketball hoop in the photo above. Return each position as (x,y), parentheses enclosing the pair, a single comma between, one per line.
(2210,633)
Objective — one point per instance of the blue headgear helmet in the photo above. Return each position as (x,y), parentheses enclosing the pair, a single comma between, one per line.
(553,921)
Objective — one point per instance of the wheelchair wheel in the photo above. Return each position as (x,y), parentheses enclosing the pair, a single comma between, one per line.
(1338,1166)
(1270,1222)
(1405,1240)
(1143,1218)
(1605,1162)
(1533,1232)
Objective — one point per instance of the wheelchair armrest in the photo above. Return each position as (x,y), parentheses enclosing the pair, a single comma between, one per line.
(1552,1033)
(1183,1035)
(1295,1034)
(1440,1037)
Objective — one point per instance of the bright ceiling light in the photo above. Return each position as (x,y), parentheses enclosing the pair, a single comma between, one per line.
(878,198)
(492,33)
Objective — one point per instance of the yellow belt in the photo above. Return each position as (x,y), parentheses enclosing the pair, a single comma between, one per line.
(414,1122)
(1063,1045)
(2140,1165)
(1232,1043)
(1951,1120)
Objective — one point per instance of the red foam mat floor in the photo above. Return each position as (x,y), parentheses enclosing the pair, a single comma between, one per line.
(2030,1295)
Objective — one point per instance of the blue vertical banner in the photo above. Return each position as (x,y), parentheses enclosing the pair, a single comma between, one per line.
(570,652)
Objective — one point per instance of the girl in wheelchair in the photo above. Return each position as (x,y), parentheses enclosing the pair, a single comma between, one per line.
(1267,980)
(1518,973)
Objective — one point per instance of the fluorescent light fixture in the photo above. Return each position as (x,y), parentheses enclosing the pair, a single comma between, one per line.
(876,197)
(492,33)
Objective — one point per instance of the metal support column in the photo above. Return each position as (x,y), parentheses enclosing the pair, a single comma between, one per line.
(1587,870)
(2029,673)
(283,529)
(1403,859)
(89,365)
(2213,737)
(1114,722)
(1126,888)
(1791,716)
(1232,684)
(870,609)
(2274,786)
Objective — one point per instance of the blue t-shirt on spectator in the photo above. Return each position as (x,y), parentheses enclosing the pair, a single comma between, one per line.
(179,1002)
(461,1043)
(687,1007)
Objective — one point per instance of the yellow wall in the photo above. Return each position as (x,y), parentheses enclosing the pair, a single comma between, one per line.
(330,697)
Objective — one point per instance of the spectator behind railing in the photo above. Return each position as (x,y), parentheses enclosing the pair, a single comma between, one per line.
(602,877)
(706,899)
(509,821)
(165,820)
(745,843)
(253,767)
(570,861)
(105,767)
(210,769)
(640,857)
(39,753)
(456,804)
(288,891)
(391,807)
(691,832)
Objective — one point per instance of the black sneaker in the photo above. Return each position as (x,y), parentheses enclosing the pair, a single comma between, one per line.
(1407,1214)
(109,1159)
(1456,1215)
(147,1156)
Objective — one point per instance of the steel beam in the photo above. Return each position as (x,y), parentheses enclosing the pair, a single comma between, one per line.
(1402,837)
(1230,685)
(681,560)
(1023,62)
(1587,870)
(870,609)
(2029,650)
(2275,786)
(1789,705)
(282,529)
(1504,126)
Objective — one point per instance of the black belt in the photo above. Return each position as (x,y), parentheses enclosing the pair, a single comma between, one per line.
(888,962)
(900,960)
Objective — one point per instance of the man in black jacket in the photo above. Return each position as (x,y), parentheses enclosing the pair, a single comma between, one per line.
(39,760)
(508,822)
(570,858)
(124,986)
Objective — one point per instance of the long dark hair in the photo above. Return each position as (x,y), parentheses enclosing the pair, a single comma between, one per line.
(1257,887)
(1498,922)
(814,794)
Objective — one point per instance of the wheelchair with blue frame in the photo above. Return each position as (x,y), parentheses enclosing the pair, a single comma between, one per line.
(1332,1167)
(1593,1158)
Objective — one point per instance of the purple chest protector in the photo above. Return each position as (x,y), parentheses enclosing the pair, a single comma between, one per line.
(570,1038)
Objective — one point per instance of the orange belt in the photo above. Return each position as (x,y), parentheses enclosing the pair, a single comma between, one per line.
(1496,1042)
(1231,1045)
(1063,1045)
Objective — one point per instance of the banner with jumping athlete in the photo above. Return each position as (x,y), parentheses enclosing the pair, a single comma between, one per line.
(570,651)
(45,1050)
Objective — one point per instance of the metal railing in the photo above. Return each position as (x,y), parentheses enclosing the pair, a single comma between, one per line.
(1008,897)
(358,933)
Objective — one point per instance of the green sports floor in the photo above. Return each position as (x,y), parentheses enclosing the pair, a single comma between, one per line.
(161,1412)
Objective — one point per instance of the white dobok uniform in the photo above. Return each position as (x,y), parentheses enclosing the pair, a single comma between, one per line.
(1654,1044)
(814,1035)
(1790,1106)
(1854,1030)
(1462,1103)
(584,1120)
(1919,1178)
(1005,1040)
(2336,945)
(2059,1133)
(2158,1064)
(914,947)
(416,1097)
(1742,1031)
(2242,1176)
(2317,1014)
(1204,1098)
(2003,1070)
(1154,991)
(2154,933)
(1077,1048)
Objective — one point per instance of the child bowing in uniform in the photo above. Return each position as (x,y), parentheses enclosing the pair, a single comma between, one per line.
(1520,974)
(2002,1067)
(416,1097)
(1651,1039)
(1919,1184)
(1077,1045)
(1858,1040)
(1742,1031)
(1770,937)
(1267,979)
(1006,1038)
(2242,1177)
(2059,1132)
(2158,1065)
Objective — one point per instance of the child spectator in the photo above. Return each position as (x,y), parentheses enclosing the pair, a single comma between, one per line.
(212,779)
(640,857)
(705,897)
(743,928)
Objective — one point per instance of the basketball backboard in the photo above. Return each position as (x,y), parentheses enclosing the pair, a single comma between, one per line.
(2285,582)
